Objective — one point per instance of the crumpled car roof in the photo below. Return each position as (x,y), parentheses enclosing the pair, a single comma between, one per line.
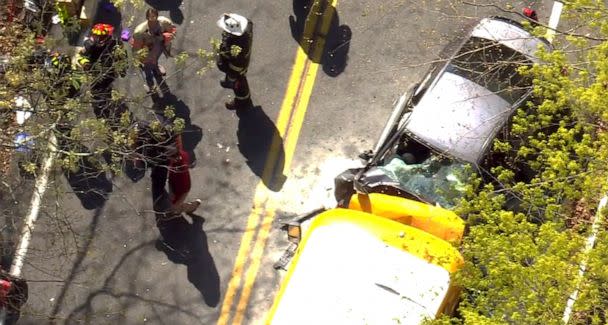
(460,117)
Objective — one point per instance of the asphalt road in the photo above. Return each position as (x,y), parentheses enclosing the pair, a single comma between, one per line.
(97,261)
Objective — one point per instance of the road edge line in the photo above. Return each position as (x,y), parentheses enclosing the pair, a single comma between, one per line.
(34,209)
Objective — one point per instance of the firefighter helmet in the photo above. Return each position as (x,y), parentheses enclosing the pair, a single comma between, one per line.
(101,34)
(234,24)
(102,30)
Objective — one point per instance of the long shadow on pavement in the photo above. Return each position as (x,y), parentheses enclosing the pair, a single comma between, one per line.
(259,141)
(186,243)
(175,13)
(88,182)
(76,267)
(334,56)
(105,288)
(15,195)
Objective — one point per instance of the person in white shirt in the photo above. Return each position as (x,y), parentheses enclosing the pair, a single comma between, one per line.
(154,35)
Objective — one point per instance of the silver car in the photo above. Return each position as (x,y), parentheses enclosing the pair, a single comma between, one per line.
(449,120)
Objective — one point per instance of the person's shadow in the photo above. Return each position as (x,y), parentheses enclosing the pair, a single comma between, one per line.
(186,243)
(175,13)
(262,146)
(114,112)
(88,181)
(307,22)
(192,134)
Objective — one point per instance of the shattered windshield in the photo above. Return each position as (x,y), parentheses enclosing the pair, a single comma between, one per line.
(437,179)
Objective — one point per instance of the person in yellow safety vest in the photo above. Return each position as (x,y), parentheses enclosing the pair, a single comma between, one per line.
(233,57)
(155,35)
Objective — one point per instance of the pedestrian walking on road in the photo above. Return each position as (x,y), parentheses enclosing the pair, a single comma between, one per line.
(172,169)
(154,35)
(233,57)
(179,181)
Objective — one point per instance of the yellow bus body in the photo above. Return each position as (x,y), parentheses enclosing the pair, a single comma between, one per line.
(406,248)
(440,222)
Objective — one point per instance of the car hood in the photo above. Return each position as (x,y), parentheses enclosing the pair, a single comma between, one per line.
(458,117)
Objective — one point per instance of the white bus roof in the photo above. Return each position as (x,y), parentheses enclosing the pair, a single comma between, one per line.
(347,275)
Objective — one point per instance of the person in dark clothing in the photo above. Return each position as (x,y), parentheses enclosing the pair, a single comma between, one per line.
(105,59)
(233,58)
(103,55)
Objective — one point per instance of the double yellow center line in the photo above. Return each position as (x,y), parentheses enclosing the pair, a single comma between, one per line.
(289,124)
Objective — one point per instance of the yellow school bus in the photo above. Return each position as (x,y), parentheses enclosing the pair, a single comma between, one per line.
(382,260)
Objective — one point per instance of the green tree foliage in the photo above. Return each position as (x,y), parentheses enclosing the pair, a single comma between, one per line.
(527,229)
(62,103)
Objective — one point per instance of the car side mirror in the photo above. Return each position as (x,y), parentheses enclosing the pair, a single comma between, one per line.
(416,95)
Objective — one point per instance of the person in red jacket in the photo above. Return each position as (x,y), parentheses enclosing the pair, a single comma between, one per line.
(179,181)
(169,162)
